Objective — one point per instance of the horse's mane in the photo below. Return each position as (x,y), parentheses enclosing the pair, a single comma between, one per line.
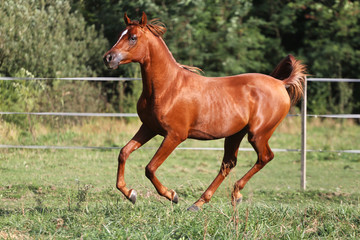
(158,28)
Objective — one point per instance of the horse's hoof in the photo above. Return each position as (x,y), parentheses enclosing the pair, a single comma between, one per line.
(193,208)
(175,198)
(239,200)
(132,196)
(235,202)
(236,198)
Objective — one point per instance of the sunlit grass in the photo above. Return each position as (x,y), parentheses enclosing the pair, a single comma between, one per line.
(72,194)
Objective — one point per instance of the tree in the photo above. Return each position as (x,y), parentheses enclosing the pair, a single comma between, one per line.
(326,36)
(44,39)
(47,39)
(332,49)
(219,37)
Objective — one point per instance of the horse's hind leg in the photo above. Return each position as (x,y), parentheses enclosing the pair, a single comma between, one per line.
(229,161)
(265,155)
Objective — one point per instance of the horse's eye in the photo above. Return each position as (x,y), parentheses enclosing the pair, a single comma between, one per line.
(132,39)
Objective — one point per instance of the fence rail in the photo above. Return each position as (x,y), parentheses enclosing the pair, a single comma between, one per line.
(333,80)
(178,148)
(78,114)
(73,114)
(99,79)
(121,79)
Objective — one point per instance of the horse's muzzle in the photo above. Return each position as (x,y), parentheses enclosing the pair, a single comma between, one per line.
(112,60)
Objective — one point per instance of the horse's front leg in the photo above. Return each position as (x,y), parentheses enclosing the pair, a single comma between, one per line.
(167,146)
(141,137)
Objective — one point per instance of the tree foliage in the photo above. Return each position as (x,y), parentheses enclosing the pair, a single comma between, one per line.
(44,39)
(47,39)
(326,35)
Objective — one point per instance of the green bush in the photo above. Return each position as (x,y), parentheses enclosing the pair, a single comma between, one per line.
(47,39)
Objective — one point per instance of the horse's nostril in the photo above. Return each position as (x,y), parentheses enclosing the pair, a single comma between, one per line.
(109,58)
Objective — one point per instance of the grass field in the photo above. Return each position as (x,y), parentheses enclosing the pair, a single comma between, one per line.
(67,194)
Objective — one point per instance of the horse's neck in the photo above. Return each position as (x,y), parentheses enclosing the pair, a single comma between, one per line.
(159,68)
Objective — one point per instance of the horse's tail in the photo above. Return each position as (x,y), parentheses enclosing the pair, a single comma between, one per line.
(293,74)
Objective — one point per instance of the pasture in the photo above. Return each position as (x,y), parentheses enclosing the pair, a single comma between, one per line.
(71,194)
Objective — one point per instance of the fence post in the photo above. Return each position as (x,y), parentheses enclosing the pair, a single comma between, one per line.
(303,137)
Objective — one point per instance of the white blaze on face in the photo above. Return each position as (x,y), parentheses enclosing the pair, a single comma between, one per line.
(122,35)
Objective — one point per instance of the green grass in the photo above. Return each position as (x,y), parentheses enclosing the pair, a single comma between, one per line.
(67,194)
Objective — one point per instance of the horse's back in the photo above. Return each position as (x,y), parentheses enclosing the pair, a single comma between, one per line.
(255,88)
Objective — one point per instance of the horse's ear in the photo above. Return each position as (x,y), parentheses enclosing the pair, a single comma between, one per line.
(143,21)
(126,19)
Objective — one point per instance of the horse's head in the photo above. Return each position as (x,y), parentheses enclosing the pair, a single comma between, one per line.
(131,45)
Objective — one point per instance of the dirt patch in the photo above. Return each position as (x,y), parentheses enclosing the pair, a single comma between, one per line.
(331,195)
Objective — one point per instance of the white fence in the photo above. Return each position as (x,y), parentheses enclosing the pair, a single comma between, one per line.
(303,115)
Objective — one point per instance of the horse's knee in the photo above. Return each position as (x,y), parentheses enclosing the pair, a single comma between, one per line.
(264,159)
(149,172)
(123,155)
(267,157)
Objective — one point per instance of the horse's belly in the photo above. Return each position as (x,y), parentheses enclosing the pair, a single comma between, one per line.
(218,127)
(201,135)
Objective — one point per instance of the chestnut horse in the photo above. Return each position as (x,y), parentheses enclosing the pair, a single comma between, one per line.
(178,103)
